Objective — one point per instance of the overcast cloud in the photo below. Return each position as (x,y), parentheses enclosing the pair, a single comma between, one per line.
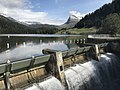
(21,10)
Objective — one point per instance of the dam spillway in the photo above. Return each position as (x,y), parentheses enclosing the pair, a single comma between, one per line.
(92,75)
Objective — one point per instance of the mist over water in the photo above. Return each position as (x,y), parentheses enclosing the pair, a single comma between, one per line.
(92,75)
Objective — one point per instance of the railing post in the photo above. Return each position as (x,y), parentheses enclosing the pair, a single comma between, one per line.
(7,75)
(93,53)
(60,66)
(84,41)
(32,62)
(97,52)
(8,45)
(58,60)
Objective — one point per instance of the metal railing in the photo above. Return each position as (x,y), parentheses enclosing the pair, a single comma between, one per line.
(24,64)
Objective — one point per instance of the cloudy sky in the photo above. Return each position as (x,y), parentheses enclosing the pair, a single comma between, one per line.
(48,11)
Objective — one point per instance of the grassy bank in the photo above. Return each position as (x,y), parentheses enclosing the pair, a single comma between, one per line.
(78,31)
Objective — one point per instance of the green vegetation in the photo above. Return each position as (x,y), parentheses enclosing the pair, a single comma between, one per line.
(111,24)
(7,26)
(96,18)
(45,30)
(78,31)
(106,19)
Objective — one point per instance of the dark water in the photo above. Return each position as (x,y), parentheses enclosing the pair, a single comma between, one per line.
(92,75)
(19,46)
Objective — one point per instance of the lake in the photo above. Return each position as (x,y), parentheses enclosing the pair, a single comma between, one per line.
(18,46)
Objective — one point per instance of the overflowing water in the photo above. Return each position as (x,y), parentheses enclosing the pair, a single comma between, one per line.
(50,84)
(92,75)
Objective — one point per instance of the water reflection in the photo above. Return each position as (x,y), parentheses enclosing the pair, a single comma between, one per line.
(30,49)
(17,47)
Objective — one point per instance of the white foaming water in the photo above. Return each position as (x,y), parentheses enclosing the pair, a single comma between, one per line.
(95,75)
(50,84)
(80,76)
(92,75)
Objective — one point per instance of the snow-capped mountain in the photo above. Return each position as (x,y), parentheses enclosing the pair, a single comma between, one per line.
(31,22)
(75,15)
(4,15)
(10,18)
(27,23)
(73,19)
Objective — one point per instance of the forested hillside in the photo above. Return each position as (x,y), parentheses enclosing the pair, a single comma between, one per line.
(9,26)
(96,18)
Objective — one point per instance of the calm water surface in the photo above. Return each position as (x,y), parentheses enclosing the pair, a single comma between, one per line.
(19,46)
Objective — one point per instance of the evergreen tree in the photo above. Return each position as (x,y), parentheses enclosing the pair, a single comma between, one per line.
(96,18)
(111,24)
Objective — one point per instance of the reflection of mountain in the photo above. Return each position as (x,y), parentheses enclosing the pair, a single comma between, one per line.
(28,50)
(29,46)
(15,41)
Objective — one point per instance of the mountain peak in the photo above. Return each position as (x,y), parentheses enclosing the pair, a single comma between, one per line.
(74,18)
(5,15)
(75,15)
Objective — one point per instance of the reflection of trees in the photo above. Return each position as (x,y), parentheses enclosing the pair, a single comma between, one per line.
(16,41)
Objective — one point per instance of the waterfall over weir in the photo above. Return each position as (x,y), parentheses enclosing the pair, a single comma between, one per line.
(92,75)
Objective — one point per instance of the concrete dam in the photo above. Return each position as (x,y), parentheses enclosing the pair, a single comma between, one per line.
(92,66)
(93,75)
